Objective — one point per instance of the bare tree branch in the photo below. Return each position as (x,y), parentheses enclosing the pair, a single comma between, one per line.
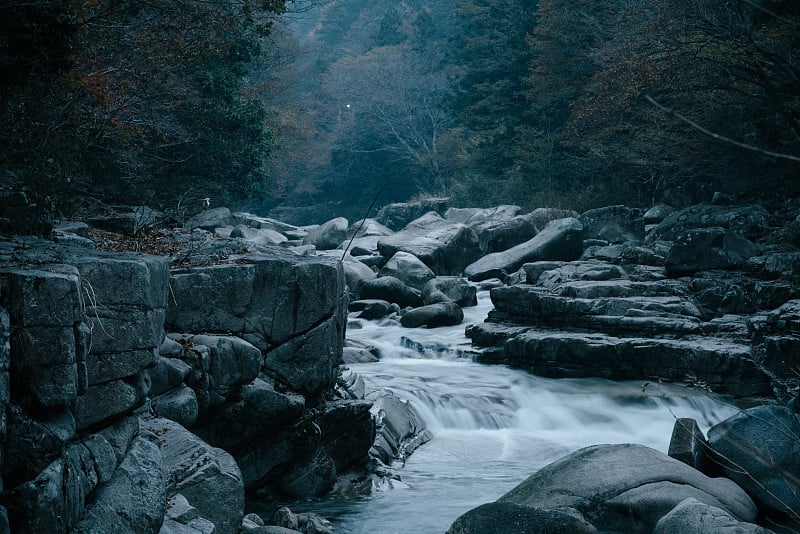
(719,137)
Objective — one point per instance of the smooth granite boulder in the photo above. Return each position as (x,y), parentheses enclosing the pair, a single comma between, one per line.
(392,290)
(211,219)
(408,269)
(626,488)
(445,247)
(329,235)
(398,215)
(559,240)
(510,518)
(446,313)
(444,288)
(692,515)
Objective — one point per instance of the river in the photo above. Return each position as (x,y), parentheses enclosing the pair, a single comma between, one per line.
(493,426)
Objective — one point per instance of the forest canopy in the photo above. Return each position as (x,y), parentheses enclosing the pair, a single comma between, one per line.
(550,102)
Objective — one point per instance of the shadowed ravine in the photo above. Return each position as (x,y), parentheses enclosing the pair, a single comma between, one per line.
(493,426)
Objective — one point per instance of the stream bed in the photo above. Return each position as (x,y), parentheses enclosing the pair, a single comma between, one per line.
(493,426)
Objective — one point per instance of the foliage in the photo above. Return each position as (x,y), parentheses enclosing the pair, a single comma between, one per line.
(133,102)
(584,132)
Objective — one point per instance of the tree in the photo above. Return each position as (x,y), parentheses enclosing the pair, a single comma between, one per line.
(150,93)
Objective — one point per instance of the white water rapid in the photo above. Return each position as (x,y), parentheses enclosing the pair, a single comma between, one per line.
(493,426)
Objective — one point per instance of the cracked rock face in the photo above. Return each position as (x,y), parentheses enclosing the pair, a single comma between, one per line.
(289,307)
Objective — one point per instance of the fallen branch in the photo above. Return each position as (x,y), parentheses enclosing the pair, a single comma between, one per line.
(719,137)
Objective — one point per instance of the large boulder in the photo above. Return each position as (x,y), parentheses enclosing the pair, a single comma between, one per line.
(211,219)
(559,240)
(626,488)
(692,515)
(231,427)
(480,216)
(356,273)
(452,288)
(396,216)
(706,249)
(56,500)
(408,269)
(615,224)
(231,362)
(134,499)
(291,308)
(759,449)
(207,477)
(443,246)
(500,234)
(391,289)
(446,313)
(749,222)
(329,235)
(510,518)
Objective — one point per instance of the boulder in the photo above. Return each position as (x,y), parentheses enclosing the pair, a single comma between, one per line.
(168,373)
(692,515)
(502,234)
(398,215)
(391,289)
(329,235)
(759,449)
(263,223)
(367,228)
(510,518)
(210,219)
(264,237)
(348,431)
(615,224)
(372,309)
(207,477)
(31,444)
(55,501)
(453,288)
(127,221)
(179,405)
(231,427)
(723,366)
(408,269)
(355,274)
(400,429)
(559,240)
(749,222)
(625,488)
(445,247)
(706,249)
(446,313)
(106,401)
(231,363)
(657,213)
(481,216)
(133,500)
(687,443)
(278,302)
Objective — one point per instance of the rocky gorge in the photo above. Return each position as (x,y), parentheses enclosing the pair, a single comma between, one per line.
(152,393)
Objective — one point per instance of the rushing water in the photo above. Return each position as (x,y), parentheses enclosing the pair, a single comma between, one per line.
(493,426)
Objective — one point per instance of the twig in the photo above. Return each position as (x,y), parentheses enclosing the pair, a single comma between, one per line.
(719,137)
(374,200)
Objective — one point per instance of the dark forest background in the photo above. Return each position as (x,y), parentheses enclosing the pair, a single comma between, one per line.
(324,104)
